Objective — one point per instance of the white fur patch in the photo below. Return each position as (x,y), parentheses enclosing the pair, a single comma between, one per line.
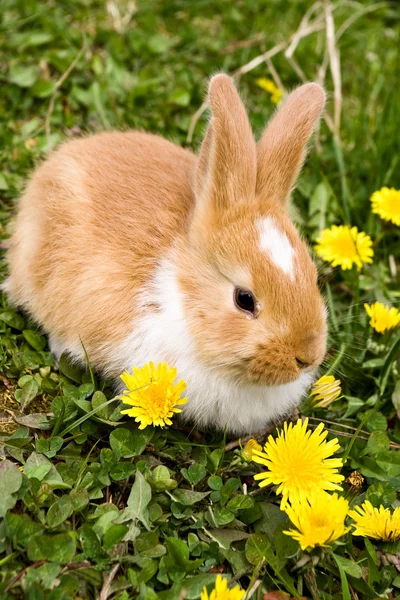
(276,244)
(214,400)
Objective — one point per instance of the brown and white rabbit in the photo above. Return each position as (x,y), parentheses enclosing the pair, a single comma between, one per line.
(143,251)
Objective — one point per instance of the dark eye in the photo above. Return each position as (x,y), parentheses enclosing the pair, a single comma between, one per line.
(245,301)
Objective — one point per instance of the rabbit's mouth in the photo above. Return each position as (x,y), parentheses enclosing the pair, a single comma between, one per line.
(277,368)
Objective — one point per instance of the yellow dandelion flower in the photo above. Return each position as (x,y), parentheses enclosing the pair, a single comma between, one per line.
(152,393)
(383,318)
(344,246)
(326,390)
(298,462)
(386,203)
(270,87)
(222,592)
(247,451)
(319,519)
(378,523)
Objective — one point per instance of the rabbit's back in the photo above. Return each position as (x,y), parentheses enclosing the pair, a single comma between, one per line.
(91,226)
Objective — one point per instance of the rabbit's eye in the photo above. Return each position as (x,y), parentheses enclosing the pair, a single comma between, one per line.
(245,301)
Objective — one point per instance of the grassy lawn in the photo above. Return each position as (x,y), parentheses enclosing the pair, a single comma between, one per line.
(91,507)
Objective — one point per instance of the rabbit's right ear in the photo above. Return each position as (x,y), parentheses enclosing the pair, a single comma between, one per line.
(282,147)
(226,172)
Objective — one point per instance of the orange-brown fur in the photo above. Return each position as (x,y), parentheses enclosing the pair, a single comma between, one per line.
(102,212)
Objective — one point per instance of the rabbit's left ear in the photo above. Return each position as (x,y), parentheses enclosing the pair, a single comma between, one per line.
(227,166)
(282,147)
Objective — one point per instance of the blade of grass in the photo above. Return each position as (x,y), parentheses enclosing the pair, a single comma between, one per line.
(338,359)
(87,416)
(386,367)
(92,377)
(331,307)
(95,410)
(353,439)
(343,181)
(343,579)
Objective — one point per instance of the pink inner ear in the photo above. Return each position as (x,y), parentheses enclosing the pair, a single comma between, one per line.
(282,147)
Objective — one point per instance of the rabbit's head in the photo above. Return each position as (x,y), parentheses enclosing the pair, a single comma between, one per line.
(251,297)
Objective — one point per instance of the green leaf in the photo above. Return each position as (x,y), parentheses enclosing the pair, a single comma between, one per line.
(188,497)
(106,520)
(371,551)
(318,205)
(381,493)
(23,76)
(37,341)
(354,405)
(229,487)
(114,535)
(122,470)
(146,540)
(33,420)
(91,546)
(3,183)
(45,575)
(58,548)
(177,558)
(240,502)
(349,566)
(35,38)
(148,568)
(376,421)
(237,561)
(389,461)
(368,467)
(258,548)
(215,482)
(49,447)
(138,501)
(220,516)
(97,400)
(225,537)
(161,479)
(194,474)
(127,444)
(69,368)
(378,441)
(39,467)
(59,511)
(214,460)
(192,586)
(10,482)
(180,97)
(12,319)
(343,578)
(396,398)
(285,546)
(158,44)
(79,499)
(22,528)
(43,89)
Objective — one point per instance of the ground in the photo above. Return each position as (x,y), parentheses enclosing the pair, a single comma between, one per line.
(90,504)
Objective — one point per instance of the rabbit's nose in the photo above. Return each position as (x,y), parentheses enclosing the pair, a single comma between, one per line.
(310,352)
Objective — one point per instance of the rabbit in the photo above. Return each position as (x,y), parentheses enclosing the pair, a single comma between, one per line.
(138,250)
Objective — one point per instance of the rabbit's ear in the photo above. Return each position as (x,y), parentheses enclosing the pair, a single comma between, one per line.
(282,147)
(227,166)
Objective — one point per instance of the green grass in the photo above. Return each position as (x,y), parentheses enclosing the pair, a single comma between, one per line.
(99,505)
